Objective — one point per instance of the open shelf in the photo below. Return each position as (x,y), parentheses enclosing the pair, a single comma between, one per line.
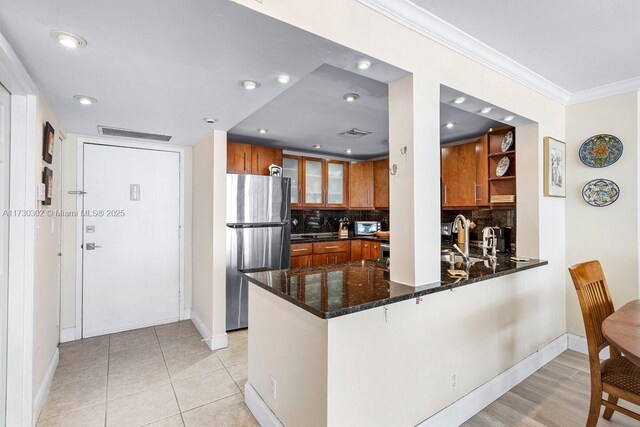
(501,178)
(503,153)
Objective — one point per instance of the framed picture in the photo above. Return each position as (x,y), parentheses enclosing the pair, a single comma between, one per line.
(47,180)
(47,143)
(555,167)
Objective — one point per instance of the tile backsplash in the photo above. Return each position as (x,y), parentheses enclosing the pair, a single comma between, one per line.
(485,218)
(327,221)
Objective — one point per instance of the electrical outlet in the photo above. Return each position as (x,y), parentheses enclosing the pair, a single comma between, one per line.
(272,386)
(453,380)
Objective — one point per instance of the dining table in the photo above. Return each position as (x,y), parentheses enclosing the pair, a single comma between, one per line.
(622,330)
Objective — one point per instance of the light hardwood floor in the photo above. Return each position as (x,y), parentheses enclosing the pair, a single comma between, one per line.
(556,395)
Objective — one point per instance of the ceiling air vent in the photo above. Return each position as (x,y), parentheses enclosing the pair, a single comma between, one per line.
(126,133)
(355,133)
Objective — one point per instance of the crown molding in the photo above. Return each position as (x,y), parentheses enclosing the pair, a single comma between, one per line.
(432,26)
(426,23)
(603,91)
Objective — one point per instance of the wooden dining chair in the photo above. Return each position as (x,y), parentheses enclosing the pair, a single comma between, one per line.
(616,376)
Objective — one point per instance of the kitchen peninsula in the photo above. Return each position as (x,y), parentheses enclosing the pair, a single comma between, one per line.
(342,344)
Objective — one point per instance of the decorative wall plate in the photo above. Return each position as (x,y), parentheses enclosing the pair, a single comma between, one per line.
(507,142)
(600,192)
(601,151)
(503,166)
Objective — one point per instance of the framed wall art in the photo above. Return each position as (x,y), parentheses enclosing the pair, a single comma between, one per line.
(555,167)
(47,180)
(47,143)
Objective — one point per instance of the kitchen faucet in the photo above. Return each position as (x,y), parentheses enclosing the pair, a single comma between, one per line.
(465,225)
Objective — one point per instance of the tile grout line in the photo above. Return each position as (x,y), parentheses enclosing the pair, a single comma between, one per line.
(106,392)
(175,395)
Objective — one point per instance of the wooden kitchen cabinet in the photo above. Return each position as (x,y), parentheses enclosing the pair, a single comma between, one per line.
(482,171)
(292,169)
(365,249)
(334,258)
(238,157)
(381,184)
(323,183)
(458,174)
(251,159)
(262,157)
(302,261)
(361,185)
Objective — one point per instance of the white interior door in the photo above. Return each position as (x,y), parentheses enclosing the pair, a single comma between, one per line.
(5,111)
(131,243)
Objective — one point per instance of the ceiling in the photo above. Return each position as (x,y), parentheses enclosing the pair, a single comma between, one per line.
(162,66)
(570,50)
(468,121)
(313,111)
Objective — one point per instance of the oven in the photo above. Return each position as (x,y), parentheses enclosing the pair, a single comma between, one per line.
(366,228)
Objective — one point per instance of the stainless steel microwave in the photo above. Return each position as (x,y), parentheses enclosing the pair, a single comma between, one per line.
(365,228)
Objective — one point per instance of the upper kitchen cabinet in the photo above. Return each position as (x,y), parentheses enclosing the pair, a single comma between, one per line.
(459,176)
(292,169)
(361,185)
(251,159)
(262,157)
(238,157)
(324,183)
(381,184)
(482,171)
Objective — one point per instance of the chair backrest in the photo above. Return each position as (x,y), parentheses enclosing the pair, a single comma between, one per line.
(595,302)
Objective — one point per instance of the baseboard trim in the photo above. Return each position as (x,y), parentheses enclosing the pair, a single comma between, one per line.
(469,405)
(579,344)
(213,342)
(68,334)
(41,397)
(259,409)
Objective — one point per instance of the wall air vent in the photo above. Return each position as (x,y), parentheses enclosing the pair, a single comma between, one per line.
(126,133)
(355,133)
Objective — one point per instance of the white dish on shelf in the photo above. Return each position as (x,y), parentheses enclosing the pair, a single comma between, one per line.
(503,166)
(507,141)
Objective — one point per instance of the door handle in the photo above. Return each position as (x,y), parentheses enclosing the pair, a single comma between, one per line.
(445,194)
(331,247)
(92,246)
(244,166)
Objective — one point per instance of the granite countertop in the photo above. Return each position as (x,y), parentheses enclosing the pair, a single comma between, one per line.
(311,238)
(340,289)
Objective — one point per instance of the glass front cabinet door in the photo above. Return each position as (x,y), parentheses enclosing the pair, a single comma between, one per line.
(314,194)
(292,168)
(336,193)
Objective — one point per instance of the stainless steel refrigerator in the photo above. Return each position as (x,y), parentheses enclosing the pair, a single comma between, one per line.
(258,235)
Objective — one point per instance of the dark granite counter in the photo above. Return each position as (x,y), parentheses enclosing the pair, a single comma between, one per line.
(336,290)
(306,238)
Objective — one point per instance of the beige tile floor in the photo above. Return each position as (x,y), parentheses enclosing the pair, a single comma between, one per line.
(158,376)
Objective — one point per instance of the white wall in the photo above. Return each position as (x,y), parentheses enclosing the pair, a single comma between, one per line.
(209,237)
(609,234)
(47,272)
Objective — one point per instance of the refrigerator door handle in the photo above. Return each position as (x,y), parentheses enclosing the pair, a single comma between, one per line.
(260,225)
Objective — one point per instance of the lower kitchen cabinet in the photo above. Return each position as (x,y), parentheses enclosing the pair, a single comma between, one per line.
(333,258)
(365,249)
(301,261)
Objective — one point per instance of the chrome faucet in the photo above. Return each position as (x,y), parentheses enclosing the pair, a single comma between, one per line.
(465,225)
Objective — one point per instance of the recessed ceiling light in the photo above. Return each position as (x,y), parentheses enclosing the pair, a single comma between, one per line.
(509,118)
(350,97)
(67,39)
(284,79)
(263,130)
(459,100)
(210,120)
(348,151)
(449,125)
(249,84)
(317,146)
(486,110)
(364,64)
(85,100)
